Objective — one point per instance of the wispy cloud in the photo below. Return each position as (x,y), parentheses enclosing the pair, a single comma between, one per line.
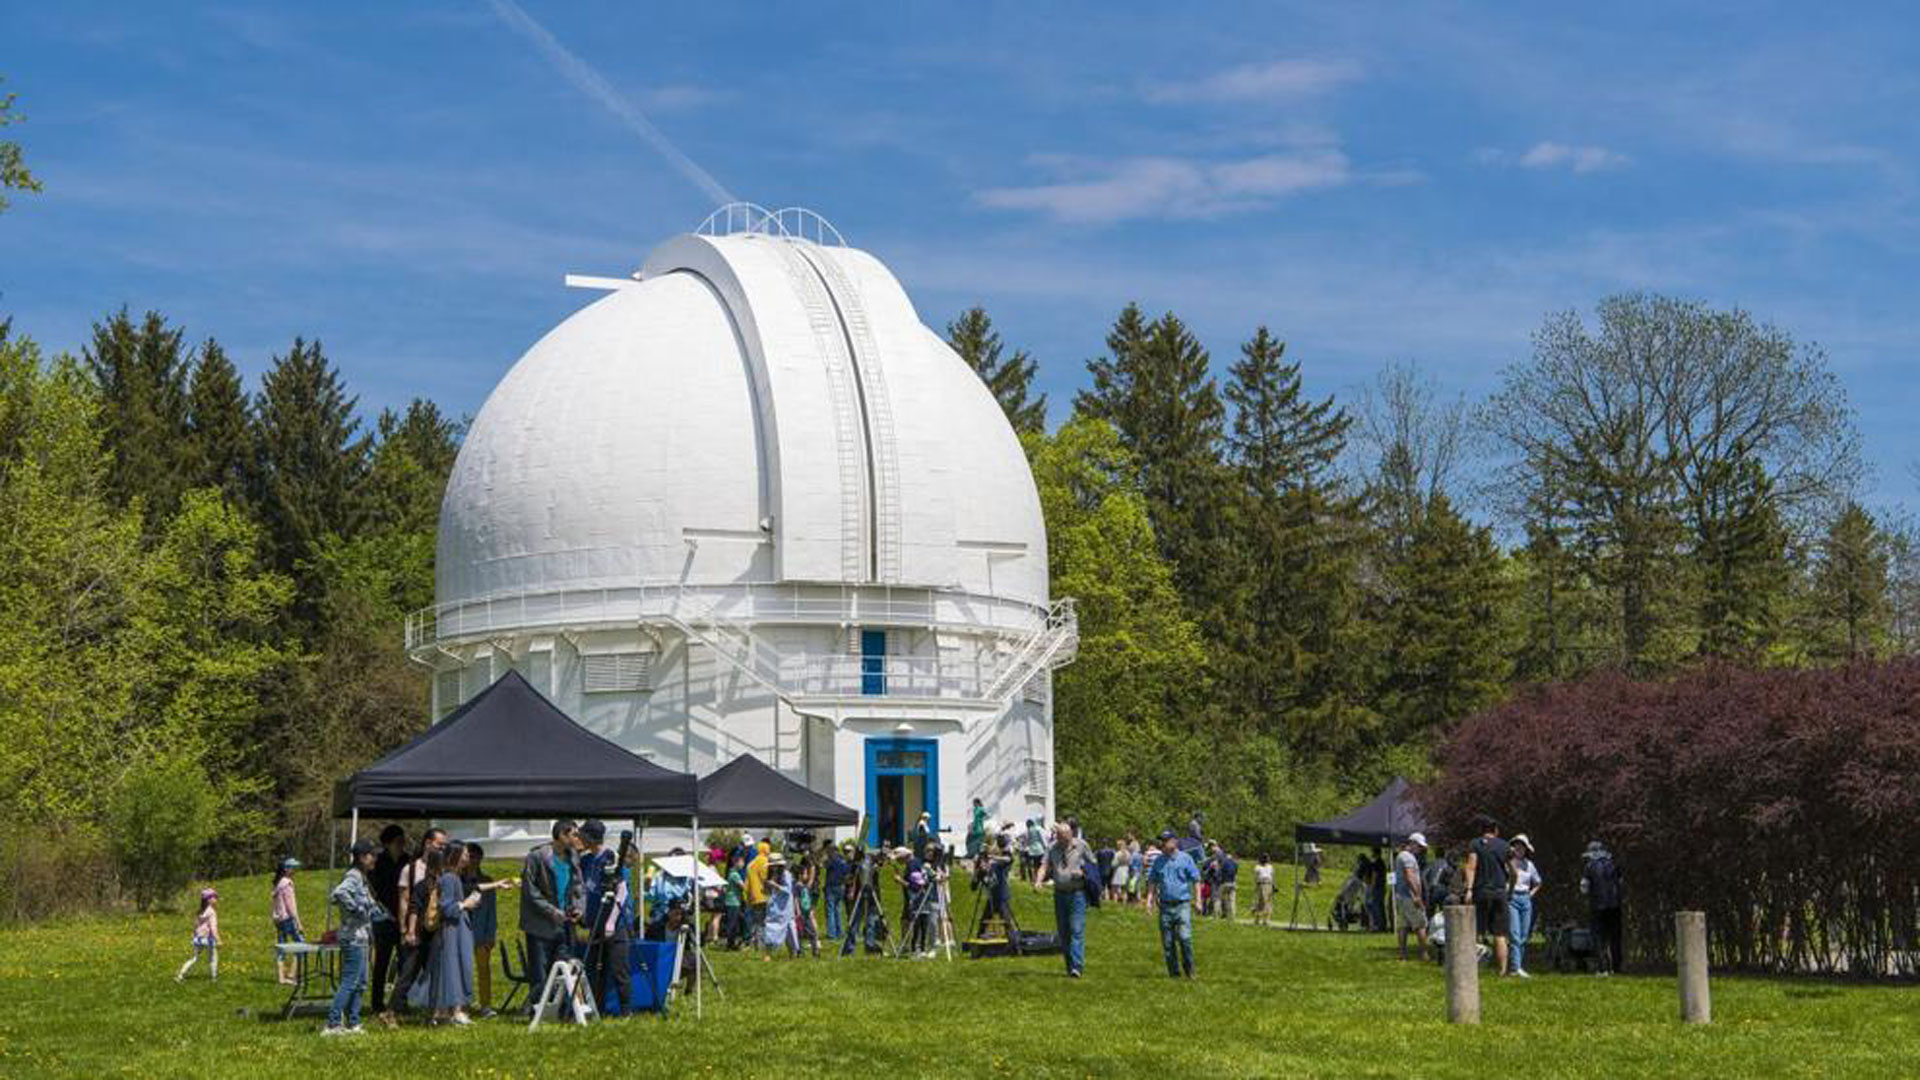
(1548,154)
(591,83)
(1167,187)
(682,97)
(1275,80)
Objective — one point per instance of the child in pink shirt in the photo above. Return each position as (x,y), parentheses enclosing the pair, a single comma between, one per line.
(206,936)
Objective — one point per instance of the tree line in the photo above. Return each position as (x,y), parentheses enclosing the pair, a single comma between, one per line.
(1285,600)
(1282,600)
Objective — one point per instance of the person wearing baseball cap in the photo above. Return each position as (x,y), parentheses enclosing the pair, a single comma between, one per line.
(285,912)
(1172,879)
(1409,899)
(358,912)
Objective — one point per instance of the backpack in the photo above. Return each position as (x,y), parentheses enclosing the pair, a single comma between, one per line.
(1437,881)
(1603,889)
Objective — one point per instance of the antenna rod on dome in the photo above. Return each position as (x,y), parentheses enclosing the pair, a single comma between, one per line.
(591,83)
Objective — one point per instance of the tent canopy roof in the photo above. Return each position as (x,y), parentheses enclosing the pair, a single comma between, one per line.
(1386,820)
(747,791)
(509,752)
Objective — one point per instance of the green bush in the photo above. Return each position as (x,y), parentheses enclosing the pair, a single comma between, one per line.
(161,818)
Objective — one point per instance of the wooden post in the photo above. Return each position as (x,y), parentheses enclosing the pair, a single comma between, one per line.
(1690,949)
(1463,966)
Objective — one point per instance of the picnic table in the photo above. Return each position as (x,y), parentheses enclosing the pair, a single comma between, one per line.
(316,974)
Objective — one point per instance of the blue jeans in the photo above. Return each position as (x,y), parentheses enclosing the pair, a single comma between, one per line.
(353,982)
(832,899)
(542,953)
(1070,923)
(1520,912)
(287,930)
(1176,936)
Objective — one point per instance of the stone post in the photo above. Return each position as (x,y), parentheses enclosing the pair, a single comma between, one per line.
(1690,949)
(1463,966)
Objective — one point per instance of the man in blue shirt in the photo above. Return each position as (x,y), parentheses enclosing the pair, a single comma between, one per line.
(1172,878)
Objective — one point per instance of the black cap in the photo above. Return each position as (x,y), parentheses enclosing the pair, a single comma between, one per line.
(594,831)
(364,847)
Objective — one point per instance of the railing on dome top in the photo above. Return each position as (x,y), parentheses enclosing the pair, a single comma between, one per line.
(790,222)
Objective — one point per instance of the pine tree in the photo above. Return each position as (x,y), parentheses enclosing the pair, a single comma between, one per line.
(1851,587)
(1740,552)
(1011,379)
(219,427)
(312,460)
(141,373)
(1445,655)
(1279,441)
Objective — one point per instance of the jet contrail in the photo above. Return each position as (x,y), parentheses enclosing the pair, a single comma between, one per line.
(594,85)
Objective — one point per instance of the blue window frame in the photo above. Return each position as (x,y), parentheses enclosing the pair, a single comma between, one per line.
(873,662)
(897,769)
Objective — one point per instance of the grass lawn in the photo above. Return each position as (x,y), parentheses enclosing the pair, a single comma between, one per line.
(96,998)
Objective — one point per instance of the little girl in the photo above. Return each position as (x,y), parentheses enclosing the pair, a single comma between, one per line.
(206,936)
(286,914)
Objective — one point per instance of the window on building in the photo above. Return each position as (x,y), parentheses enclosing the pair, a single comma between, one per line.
(873,662)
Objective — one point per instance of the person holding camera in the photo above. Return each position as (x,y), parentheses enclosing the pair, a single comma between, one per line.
(1065,868)
(550,901)
(608,915)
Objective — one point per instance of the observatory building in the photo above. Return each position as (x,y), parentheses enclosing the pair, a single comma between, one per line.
(746,502)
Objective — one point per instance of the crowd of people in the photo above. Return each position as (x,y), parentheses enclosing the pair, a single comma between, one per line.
(419,924)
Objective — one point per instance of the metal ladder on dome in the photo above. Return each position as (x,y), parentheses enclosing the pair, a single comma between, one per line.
(1055,643)
(871,371)
(849,439)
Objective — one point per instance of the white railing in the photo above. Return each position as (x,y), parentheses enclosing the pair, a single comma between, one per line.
(723,619)
(825,605)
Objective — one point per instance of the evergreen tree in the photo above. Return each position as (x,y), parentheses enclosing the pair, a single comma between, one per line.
(1010,379)
(1741,557)
(1851,587)
(1279,441)
(141,372)
(312,460)
(412,456)
(219,452)
(1445,654)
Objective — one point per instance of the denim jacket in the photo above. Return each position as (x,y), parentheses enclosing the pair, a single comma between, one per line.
(358,909)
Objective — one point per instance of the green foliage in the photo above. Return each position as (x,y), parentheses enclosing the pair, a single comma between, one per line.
(14,175)
(1850,588)
(219,451)
(161,817)
(1010,378)
(312,459)
(141,372)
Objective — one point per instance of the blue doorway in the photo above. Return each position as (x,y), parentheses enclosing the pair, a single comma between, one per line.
(903,780)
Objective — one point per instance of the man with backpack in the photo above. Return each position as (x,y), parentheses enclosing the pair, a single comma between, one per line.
(1486,883)
(1604,887)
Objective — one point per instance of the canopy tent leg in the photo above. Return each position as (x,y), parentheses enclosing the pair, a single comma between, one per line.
(333,848)
(698,955)
(640,845)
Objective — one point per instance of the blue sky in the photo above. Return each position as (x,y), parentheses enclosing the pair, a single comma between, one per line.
(408,182)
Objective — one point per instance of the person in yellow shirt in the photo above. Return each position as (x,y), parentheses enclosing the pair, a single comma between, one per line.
(757,890)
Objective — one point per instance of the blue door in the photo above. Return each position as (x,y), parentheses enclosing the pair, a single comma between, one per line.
(903,780)
(873,662)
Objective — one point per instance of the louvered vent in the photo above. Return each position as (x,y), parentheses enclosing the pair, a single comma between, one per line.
(617,673)
(1038,776)
(1038,689)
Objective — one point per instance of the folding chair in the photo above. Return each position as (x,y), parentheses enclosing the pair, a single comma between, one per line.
(517,981)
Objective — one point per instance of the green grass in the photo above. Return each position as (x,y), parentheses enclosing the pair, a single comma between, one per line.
(96,997)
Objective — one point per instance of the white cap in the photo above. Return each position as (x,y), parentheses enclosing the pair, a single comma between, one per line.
(1417,838)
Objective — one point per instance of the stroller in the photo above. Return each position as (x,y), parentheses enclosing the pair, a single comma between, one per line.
(1571,947)
(1349,905)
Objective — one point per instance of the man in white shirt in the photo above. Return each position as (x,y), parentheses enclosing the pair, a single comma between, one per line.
(1409,900)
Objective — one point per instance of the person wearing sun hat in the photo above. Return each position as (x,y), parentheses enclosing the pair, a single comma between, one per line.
(1525,882)
(206,936)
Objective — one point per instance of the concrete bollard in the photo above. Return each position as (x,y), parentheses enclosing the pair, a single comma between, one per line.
(1463,966)
(1690,949)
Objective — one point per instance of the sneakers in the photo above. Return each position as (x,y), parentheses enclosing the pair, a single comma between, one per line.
(356,1030)
(1521,973)
(332,1030)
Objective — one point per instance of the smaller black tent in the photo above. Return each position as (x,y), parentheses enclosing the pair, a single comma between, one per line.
(509,752)
(747,791)
(1385,821)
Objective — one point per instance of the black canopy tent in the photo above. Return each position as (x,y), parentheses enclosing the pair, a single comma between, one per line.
(748,791)
(1386,820)
(509,752)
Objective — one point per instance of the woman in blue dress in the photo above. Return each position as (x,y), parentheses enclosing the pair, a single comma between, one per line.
(778,929)
(450,964)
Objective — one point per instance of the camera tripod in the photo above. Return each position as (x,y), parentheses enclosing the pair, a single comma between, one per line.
(866,906)
(942,929)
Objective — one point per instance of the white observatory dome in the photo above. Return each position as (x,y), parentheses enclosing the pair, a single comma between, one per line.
(755,408)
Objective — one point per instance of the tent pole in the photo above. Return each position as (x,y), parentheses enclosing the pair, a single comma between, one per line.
(333,848)
(640,844)
(697,954)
